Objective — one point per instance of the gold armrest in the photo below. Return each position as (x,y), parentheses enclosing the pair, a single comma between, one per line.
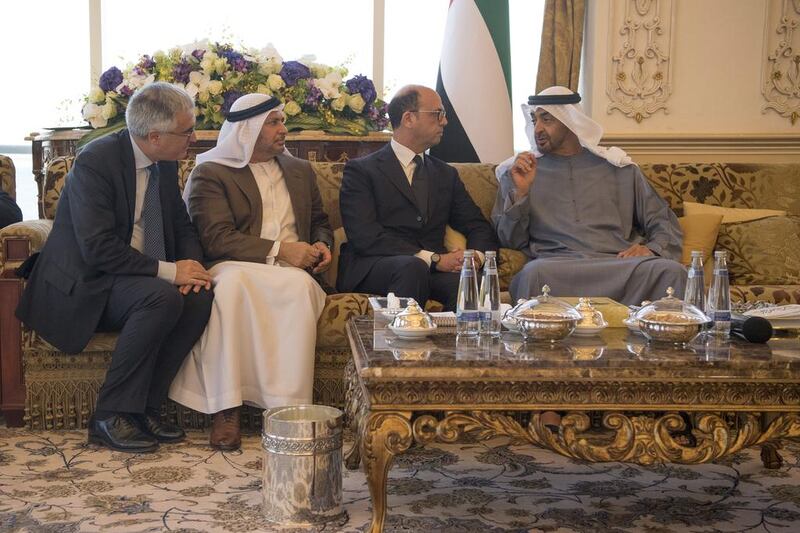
(18,241)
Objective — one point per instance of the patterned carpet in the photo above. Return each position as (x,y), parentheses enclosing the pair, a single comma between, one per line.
(53,482)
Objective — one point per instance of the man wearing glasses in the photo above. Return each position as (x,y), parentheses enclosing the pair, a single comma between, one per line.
(395,205)
(124,256)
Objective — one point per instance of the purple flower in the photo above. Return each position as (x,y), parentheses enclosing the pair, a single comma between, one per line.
(126,91)
(228,98)
(181,71)
(198,54)
(314,96)
(235,59)
(377,115)
(110,79)
(293,71)
(364,86)
(146,63)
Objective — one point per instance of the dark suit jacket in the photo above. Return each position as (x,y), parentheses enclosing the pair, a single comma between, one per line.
(381,217)
(90,242)
(9,210)
(225,205)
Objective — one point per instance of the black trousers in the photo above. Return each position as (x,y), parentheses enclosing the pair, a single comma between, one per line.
(158,327)
(410,277)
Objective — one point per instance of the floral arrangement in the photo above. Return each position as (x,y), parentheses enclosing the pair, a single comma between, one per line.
(315,96)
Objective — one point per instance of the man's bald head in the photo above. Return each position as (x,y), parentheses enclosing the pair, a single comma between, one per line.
(406,99)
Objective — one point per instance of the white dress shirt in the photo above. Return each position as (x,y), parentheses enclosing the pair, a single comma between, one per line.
(277,220)
(166,271)
(405,156)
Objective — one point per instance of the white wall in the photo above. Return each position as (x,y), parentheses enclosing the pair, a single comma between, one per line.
(717,55)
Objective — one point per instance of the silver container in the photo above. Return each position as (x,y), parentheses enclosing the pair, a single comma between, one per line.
(670,320)
(302,465)
(543,318)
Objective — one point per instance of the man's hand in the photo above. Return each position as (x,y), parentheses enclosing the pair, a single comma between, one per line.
(523,171)
(299,254)
(189,272)
(637,250)
(324,257)
(451,262)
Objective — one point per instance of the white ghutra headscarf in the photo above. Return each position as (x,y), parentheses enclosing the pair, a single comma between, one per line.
(240,131)
(572,116)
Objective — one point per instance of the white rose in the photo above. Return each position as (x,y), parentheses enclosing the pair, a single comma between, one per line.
(94,114)
(356,103)
(339,103)
(275,82)
(291,108)
(97,96)
(329,85)
(109,110)
(215,87)
(271,54)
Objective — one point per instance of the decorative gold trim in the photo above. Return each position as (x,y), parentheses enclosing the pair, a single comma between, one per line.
(601,395)
(781,67)
(640,73)
(641,439)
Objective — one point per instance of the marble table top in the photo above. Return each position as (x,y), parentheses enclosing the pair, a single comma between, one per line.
(614,355)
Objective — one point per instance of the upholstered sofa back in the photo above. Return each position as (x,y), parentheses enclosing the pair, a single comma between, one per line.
(8,176)
(764,261)
(768,186)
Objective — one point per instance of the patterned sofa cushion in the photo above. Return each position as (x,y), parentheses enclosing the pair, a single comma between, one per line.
(763,252)
(8,176)
(764,186)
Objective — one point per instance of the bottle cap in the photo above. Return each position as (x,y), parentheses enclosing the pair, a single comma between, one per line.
(697,253)
(490,253)
(469,253)
(720,253)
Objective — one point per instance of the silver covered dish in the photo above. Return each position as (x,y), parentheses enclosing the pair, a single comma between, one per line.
(544,318)
(670,320)
(412,322)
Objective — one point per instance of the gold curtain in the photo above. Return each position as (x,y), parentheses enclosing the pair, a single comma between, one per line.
(562,38)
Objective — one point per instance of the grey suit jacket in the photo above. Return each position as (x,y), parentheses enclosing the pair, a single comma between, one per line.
(225,206)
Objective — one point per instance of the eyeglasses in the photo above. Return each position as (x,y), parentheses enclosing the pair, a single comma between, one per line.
(185,134)
(440,113)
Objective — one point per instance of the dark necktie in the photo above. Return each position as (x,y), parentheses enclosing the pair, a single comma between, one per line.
(419,183)
(152,218)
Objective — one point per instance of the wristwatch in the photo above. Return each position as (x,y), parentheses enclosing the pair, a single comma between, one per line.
(435,258)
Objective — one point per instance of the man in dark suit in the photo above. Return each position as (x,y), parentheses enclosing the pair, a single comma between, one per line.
(9,210)
(124,256)
(395,205)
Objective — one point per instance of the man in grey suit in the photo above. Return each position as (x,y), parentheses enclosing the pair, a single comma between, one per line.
(265,235)
(124,256)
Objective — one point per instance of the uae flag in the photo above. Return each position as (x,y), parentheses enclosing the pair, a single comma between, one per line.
(474,83)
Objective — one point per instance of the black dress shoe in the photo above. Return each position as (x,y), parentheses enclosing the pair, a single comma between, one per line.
(119,432)
(161,431)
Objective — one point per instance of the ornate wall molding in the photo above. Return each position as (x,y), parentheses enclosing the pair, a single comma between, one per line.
(742,147)
(640,68)
(781,70)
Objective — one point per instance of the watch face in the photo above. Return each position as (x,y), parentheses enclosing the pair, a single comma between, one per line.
(435,258)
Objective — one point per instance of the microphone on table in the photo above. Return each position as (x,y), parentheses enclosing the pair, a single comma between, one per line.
(751,328)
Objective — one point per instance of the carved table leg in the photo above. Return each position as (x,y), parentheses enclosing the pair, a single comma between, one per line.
(769,455)
(355,410)
(384,435)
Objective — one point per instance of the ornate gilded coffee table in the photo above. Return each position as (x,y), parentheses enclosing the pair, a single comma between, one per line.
(733,394)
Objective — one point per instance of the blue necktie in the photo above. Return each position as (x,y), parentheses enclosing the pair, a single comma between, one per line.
(152,219)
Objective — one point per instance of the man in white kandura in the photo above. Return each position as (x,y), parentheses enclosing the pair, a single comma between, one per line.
(264,234)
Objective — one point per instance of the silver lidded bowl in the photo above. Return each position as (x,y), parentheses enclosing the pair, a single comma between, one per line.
(412,317)
(670,320)
(544,318)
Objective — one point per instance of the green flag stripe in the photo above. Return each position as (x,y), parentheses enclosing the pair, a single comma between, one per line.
(495,14)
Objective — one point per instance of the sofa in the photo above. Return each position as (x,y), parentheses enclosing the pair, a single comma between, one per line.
(59,389)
